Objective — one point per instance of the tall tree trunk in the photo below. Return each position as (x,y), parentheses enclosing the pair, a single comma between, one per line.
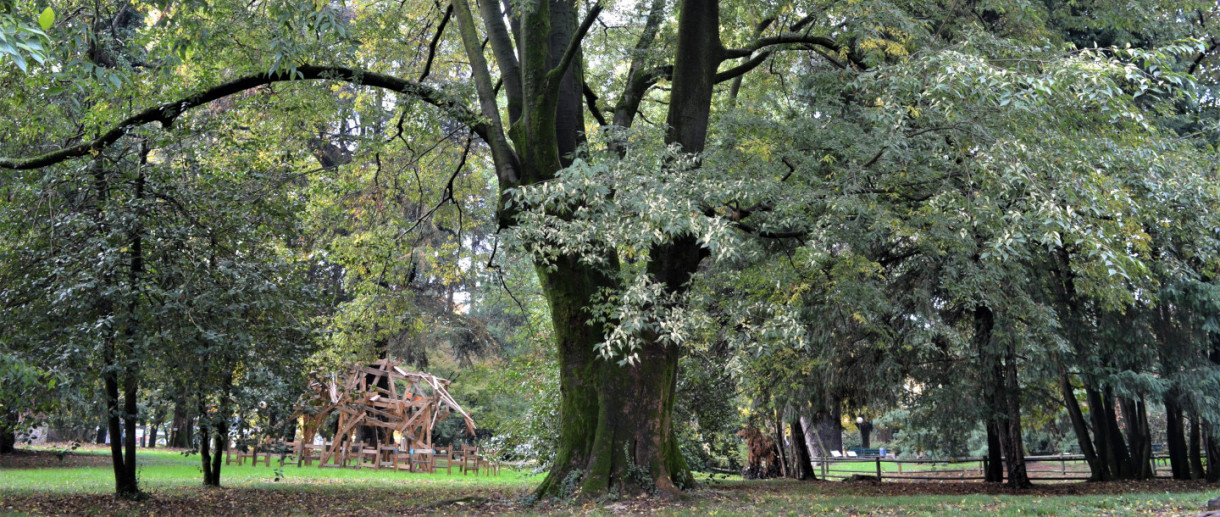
(1138,437)
(780,446)
(1010,425)
(1212,444)
(994,466)
(150,434)
(830,428)
(996,404)
(1117,445)
(1175,436)
(810,437)
(181,425)
(1196,459)
(616,426)
(1078,423)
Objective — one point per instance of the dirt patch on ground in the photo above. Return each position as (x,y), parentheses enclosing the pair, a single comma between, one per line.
(49,459)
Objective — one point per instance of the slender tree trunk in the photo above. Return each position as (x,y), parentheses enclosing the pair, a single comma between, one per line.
(1175,436)
(1196,459)
(994,471)
(1010,426)
(1117,445)
(781,447)
(1107,461)
(1078,424)
(1213,454)
(1001,439)
(808,439)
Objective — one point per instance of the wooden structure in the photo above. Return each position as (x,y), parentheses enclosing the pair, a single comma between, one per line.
(380,395)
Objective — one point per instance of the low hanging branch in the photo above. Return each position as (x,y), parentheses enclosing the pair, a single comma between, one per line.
(167,113)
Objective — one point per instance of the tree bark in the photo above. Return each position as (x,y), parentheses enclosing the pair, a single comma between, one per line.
(830,428)
(1101,435)
(1196,459)
(781,447)
(800,452)
(1175,436)
(1213,454)
(994,466)
(1078,424)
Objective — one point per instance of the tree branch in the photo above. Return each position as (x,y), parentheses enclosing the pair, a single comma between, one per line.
(506,56)
(639,80)
(591,101)
(742,69)
(782,39)
(569,54)
(167,113)
(506,161)
(436,39)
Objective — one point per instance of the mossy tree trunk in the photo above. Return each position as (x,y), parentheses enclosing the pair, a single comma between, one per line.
(616,428)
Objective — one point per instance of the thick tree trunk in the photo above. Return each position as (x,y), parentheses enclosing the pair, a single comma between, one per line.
(830,429)
(1175,437)
(150,435)
(800,452)
(181,427)
(635,446)
(569,287)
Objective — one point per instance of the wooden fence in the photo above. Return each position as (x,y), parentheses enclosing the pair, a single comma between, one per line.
(1065,467)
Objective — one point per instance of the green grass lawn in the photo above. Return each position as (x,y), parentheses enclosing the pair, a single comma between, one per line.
(174,482)
(161,470)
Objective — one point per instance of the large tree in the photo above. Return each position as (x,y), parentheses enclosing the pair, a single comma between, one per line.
(899,106)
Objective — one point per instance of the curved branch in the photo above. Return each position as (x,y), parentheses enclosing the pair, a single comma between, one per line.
(167,113)
(782,39)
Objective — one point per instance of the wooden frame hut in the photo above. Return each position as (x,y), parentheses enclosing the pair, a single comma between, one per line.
(381,395)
